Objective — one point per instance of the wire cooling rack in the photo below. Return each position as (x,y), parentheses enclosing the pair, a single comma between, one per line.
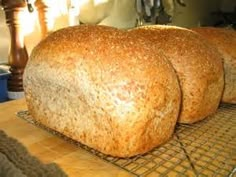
(206,148)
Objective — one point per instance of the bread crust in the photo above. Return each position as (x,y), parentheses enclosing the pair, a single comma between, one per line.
(197,64)
(225,41)
(103,87)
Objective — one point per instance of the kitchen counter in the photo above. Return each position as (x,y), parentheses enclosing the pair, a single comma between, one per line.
(49,148)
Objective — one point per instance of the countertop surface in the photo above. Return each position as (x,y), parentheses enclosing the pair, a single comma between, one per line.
(49,148)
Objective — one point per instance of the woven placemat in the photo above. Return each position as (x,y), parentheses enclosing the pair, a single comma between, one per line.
(16,161)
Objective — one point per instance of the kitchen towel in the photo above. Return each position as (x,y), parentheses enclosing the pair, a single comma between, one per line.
(16,161)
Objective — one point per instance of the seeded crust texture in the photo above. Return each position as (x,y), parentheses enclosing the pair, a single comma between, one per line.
(198,66)
(103,87)
(225,41)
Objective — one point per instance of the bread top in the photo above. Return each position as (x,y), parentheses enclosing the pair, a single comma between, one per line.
(197,64)
(190,54)
(185,49)
(224,39)
(98,46)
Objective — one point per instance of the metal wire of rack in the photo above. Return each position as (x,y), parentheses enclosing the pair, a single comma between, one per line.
(206,148)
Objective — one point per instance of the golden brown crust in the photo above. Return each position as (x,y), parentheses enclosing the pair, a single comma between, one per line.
(103,87)
(197,65)
(225,41)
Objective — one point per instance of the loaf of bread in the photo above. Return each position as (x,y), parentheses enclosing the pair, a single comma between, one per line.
(104,88)
(198,66)
(225,41)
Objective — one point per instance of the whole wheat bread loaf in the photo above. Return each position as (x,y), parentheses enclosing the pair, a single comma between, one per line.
(225,41)
(198,66)
(103,87)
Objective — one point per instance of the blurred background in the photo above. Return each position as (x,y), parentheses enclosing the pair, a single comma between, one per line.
(121,14)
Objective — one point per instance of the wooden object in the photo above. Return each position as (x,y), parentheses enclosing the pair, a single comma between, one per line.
(18,55)
(45,16)
(49,148)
